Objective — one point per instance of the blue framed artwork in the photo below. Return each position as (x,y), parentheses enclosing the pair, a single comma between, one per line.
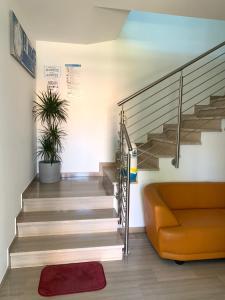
(20,46)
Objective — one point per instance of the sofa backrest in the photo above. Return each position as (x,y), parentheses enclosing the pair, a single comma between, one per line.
(184,195)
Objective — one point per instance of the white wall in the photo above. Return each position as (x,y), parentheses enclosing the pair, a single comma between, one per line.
(17,134)
(149,46)
(110,71)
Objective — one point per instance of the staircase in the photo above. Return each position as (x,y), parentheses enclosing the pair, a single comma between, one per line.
(206,118)
(76,223)
(169,114)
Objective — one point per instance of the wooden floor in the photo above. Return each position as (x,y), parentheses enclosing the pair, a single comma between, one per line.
(143,276)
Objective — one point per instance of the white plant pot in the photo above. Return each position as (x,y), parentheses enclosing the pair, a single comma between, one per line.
(49,173)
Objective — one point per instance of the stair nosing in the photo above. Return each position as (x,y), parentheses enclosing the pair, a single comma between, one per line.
(117,242)
(64,250)
(33,198)
(86,218)
(66,221)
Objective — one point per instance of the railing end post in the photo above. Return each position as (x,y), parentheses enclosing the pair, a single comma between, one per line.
(175,162)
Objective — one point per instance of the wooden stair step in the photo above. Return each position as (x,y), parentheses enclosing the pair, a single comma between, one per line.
(59,249)
(83,186)
(147,166)
(66,222)
(210,111)
(172,140)
(163,147)
(217,100)
(187,129)
(209,106)
(67,203)
(196,117)
(157,150)
(187,134)
(147,162)
(161,152)
(202,123)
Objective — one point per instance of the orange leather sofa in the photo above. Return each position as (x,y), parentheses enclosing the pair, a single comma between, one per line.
(186,221)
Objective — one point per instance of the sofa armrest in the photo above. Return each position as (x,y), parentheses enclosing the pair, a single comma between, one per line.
(157,210)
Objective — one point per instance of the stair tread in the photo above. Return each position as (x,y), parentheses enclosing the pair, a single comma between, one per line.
(195,117)
(209,107)
(217,97)
(72,188)
(146,161)
(170,140)
(63,242)
(174,127)
(72,215)
(110,172)
(146,167)
(159,152)
(156,151)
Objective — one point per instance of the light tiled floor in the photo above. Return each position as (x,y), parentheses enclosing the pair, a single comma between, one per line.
(76,187)
(143,276)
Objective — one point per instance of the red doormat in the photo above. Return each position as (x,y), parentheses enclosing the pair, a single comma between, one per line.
(71,278)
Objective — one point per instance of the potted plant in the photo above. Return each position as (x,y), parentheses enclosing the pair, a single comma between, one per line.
(51,111)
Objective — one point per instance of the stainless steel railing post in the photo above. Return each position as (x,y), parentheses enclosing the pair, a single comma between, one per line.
(120,189)
(177,158)
(126,245)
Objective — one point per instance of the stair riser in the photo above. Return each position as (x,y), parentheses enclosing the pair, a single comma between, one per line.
(74,203)
(210,113)
(217,102)
(152,136)
(198,124)
(146,161)
(108,185)
(42,258)
(185,136)
(171,148)
(66,227)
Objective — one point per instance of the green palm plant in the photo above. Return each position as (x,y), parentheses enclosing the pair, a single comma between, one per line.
(50,108)
(51,111)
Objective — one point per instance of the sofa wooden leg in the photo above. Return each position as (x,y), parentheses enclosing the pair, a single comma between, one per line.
(179,262)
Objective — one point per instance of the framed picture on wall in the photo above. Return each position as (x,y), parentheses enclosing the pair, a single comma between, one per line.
(20,46)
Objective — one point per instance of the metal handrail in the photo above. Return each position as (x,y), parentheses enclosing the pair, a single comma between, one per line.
(173,104)
(126,135)
(171,73)
(123,195)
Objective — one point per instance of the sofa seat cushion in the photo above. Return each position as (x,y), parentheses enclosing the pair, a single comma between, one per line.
(200,231)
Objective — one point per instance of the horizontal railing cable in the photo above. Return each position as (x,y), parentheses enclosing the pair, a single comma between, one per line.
(205,73)
(195,70)
(153,103)
(152,113)
(171,73)
(152,95)
(172,118)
